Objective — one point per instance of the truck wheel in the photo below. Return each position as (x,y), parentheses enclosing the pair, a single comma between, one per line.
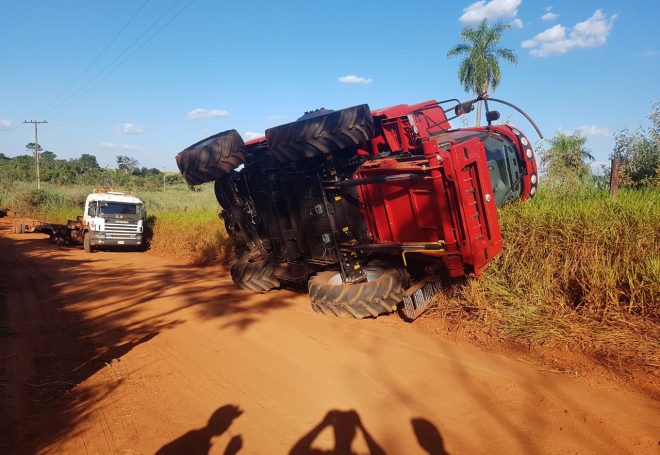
(254,276)
(380,294)
(87,243)
(321,134)
(211,158)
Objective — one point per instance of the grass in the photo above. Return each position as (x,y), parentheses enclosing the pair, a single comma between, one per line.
(578,270)
(198,237)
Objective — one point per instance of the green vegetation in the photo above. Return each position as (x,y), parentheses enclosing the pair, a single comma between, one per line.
(480,68)
(581,270)
(638,152)
(81,171)
(565,161)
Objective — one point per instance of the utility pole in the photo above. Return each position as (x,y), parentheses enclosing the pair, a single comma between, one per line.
(163,179)
(36,145)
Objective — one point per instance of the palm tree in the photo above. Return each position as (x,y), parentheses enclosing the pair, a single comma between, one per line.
(480,69)
(566,158)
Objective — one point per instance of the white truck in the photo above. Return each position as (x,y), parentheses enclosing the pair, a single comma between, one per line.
(110,219)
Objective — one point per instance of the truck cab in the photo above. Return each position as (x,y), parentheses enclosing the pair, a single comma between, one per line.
(113,219)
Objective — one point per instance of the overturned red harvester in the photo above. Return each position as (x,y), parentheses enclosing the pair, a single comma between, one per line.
(370,208)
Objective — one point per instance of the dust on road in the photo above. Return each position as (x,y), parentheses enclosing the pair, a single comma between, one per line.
(132,353)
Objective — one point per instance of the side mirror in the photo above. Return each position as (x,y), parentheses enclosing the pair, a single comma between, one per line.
(491,116)
(463,108)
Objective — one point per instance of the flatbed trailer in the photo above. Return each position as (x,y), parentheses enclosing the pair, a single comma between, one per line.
(71,233)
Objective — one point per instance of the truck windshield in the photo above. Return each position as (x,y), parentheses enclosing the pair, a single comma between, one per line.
(117,208)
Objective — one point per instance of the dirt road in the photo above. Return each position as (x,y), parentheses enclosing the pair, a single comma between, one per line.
(132,353)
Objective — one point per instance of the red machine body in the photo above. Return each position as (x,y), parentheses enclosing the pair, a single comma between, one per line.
(444,200)
(439,200)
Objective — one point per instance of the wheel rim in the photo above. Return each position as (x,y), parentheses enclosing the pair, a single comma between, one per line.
(373,273)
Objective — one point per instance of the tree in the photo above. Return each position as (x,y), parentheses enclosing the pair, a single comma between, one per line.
(127,164)
(88,161)
(565,161)
(47,156)
(638,153)
(480,69)
(30,147)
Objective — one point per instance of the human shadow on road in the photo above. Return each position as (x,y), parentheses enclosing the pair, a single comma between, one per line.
(345,425)
(198,442)
(428,436)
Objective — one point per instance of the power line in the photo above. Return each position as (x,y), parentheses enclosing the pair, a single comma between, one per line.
(109,69)
(98,56)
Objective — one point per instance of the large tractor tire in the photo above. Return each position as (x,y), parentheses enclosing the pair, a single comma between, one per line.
(380,294)
(211,158)
(254,276)
(316,135)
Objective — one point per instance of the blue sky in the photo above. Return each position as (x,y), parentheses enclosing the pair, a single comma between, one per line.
(200,67)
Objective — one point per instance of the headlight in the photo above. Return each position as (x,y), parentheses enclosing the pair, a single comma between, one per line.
(139,228)
(529,153)
(533,179)
(532,192)
(524,141)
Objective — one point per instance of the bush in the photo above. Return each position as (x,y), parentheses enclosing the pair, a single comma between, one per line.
(34,200)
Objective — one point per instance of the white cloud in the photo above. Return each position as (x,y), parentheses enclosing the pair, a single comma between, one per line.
(6,125)
(113,146)
(129,128)
(252,135)
(552,35)
(492,10)
(594,131)
(352,79)
(517,23)
(592,32)
(206,113)
(549,15)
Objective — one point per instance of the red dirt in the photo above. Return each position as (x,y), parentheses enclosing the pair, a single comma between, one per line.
(133,353)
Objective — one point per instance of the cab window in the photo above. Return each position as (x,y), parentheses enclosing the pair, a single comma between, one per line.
(504,168)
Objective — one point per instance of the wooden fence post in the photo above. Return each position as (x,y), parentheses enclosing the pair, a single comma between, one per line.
(614,178)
